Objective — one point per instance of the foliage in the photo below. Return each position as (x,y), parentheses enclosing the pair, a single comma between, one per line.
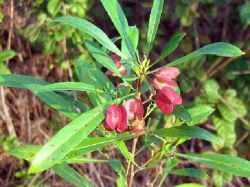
(95,119)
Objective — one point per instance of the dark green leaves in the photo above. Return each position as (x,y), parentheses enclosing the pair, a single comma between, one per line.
(219,49)
(92,30)
(66,140)
(54,100)
(229,164)
(186,132)
(154,21)
(171,46)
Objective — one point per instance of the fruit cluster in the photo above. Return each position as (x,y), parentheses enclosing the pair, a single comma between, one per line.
(166,98)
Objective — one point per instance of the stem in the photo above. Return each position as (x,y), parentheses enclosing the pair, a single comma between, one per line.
(130,182)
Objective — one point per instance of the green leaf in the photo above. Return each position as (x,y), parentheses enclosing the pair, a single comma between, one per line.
(226,132)
(84,160)
(54,6)
(171,46)
(199,114)
(26,152)
(71,175)
(186,132)
(93,31)
(66,140)
(219,49)
(4,69)
(211,90)
(102,57)
(190,172)
(153,24)
(54,100)
(229,164)
(166,170)
(190,185)
(118,167)
(124,151)
(85,72)
(77,86)
(89,145)
(118,18)
(6,55)
(182,113)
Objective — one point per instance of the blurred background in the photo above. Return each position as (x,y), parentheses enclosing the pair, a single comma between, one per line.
(30,45)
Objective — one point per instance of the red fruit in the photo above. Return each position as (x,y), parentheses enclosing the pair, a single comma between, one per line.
(158,84)
(129,106)
(134,108)
(164,104)
(172,95)
(138,127)
(116,117)
(138,109)
(123,124)
(116,59)
(167,73)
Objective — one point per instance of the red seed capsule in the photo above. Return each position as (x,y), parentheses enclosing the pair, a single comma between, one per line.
(172,95)
(123,123)
(134,108)
(164,104)
(167,73)
(129,106)
(138,127)
(113,117)
(138,109)
(158,84)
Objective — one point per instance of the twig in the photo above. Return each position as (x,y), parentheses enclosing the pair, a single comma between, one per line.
(6,117)
(11,27)
(130,182)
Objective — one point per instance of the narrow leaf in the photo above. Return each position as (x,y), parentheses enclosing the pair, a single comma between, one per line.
(92,30)
(89,145)
(190,172)
(219,49)
(118,167)
(185,132)
(171,46)
(124,150)
(84,160)
(229,164)
(118,18)
(102,57)
(66,140)
(77,86)
(54,100)
(26,152)
(71,175)
(190,185)
(6,55)
(154,21)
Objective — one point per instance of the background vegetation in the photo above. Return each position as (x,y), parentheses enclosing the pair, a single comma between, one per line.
(30,45)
